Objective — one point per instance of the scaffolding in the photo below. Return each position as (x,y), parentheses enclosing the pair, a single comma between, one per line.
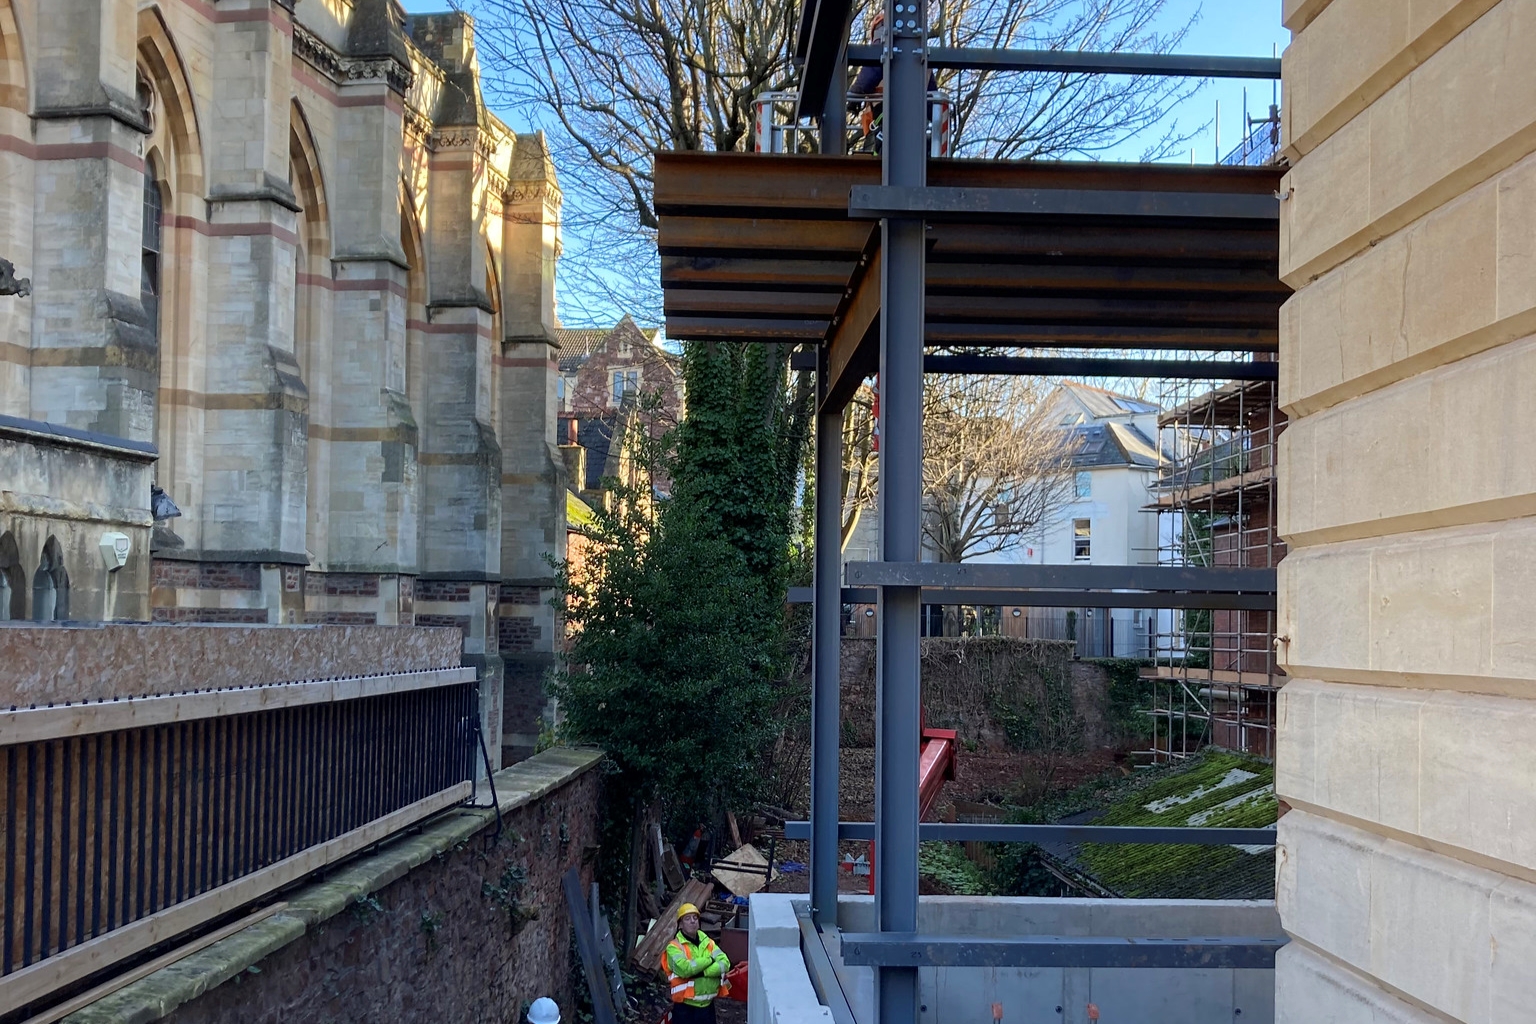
(1214,673)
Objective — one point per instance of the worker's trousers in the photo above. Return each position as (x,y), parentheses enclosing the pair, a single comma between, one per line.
(682,1013)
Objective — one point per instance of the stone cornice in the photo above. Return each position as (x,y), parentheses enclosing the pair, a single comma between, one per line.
(342,69)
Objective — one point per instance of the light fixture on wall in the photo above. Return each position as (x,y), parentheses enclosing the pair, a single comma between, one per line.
(114,550)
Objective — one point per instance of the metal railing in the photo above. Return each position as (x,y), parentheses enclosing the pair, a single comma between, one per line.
(777,131)
(128,822)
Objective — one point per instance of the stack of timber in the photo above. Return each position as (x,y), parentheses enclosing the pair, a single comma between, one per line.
(647,954)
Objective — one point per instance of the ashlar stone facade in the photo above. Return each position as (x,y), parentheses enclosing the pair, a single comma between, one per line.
(1407,863)
(287,269)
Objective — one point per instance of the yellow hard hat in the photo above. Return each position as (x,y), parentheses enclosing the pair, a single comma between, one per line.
(686,909)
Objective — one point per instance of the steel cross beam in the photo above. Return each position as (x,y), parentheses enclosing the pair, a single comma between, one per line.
(1087,366)
(1160,578)
(1167,64)
(1042,598)
(988,205)
(1145,835)
(888,949)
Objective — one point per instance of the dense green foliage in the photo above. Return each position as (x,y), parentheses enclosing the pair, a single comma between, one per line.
(1130,698)
(947,864)
(680,642)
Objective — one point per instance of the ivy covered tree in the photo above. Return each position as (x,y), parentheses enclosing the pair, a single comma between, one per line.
(681,646)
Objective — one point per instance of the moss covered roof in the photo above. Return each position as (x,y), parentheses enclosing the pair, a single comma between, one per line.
(1219,789)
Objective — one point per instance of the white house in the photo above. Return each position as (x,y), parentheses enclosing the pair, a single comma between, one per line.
(1107,522)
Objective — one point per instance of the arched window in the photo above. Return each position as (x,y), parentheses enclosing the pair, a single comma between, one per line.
(154,212)
(13,581)
(50,588)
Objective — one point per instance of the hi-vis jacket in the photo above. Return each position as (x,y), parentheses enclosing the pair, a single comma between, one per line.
(695,969)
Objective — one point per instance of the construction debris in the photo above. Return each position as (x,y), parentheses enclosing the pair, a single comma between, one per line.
(744,872)
(647,954)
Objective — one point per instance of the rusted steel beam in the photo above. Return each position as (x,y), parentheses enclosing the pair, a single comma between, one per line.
(1032,335)
(853,340)
(785,239)
(984,205)
(815,186)
(702,302)
(692,328)
(752,272)
(1100,310)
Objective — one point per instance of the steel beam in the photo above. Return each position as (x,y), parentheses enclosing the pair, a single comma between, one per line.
(904,163)
(853,340)
(887,950)
(1057,335)
(990,205)
(1070,62)
(1016,598)
(1085,366)
(1162,578)
(826,655)
(819,965)
(822,34)
(1136,835)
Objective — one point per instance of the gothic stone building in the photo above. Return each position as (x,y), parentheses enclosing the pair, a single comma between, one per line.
(287,269)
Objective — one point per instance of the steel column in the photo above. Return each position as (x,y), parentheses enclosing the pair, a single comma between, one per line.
(826,703)
(898,700)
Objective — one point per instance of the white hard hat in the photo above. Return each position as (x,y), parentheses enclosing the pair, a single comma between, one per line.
(544,1011)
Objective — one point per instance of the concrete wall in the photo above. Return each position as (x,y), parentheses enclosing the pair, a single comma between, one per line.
(966,995)
(1408,496)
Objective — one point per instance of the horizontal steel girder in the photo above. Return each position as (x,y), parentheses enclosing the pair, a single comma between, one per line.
(1160,578)
(988,205)
(909,949)
(961,832)
(1016,598)
(1081,366)
(1171,64)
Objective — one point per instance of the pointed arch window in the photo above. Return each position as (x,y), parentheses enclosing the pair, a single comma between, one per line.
(153,242)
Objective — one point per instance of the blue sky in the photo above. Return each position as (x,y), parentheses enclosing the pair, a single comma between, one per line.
(1239,28)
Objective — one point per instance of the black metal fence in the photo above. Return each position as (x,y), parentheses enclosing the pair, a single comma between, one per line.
(107,828)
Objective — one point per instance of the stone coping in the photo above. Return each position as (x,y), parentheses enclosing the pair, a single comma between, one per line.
(156,995)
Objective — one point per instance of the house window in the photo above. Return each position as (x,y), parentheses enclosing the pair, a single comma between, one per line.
(625,382)
(1084,484)
(1081,539)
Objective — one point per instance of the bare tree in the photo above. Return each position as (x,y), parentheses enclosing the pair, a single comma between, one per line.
(616,80)
(993,469)
(861,459)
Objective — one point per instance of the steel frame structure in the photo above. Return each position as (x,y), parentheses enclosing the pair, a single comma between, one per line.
(869,263)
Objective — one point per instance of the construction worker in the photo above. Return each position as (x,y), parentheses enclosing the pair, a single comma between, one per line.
(544,1011)
(695,969)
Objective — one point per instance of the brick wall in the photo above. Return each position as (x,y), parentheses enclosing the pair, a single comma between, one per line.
(463,965)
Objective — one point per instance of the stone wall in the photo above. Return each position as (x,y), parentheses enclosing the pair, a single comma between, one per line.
(1407,864)
(80,663)
(286,261)
(984,687)
(423,929)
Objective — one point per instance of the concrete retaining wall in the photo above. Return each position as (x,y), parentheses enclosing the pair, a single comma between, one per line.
(966,995)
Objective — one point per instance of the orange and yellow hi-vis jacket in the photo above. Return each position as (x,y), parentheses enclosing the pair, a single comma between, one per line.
(695,970)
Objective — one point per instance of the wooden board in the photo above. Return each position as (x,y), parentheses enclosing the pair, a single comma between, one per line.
(751,877)
(603,1011)
(607,952)
(647,954)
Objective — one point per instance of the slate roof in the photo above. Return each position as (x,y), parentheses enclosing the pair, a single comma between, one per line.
(1112,444)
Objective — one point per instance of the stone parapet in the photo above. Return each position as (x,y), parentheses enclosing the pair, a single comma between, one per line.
(79,662)
(411,932)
